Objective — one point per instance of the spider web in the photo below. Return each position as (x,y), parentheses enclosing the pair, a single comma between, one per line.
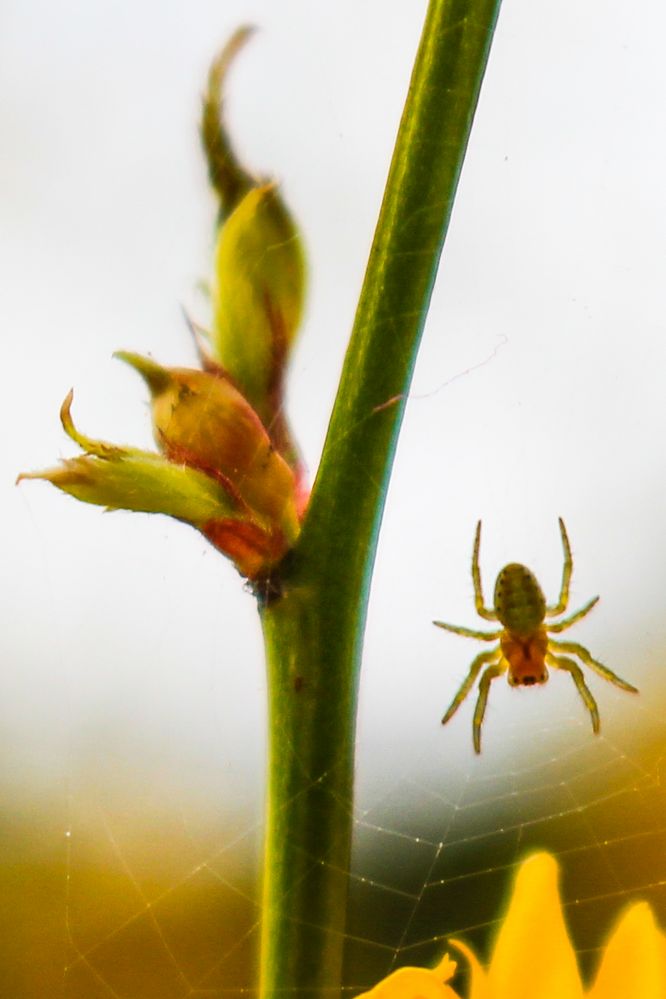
(156,882)
(157,889)
(157,900)
(126,884)
(452,845)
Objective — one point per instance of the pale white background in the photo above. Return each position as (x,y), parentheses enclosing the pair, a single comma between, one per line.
(126,642)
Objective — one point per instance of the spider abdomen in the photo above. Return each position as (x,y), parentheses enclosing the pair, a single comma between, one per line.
(519,601)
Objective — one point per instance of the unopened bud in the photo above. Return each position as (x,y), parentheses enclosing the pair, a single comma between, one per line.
(258,293)
(203,421)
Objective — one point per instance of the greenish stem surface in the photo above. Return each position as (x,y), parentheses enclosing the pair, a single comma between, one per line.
(314,630)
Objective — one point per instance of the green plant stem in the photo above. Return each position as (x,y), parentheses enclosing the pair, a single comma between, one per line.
(314,631)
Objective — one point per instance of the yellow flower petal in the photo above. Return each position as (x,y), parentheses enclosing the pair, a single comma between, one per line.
(479,988)
(633,965)
(533,957)
(416,983)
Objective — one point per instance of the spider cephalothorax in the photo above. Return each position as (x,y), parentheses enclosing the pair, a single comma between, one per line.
(524,647)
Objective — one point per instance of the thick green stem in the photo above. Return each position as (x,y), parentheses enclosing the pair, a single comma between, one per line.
(314,630)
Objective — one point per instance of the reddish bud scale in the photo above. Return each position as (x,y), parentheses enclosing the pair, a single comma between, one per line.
(202,420)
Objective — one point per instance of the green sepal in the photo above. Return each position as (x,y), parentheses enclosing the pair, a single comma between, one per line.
(145,484)
(258,293)
(121,478)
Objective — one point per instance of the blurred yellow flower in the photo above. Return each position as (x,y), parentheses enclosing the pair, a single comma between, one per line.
(424,983)
(533,957)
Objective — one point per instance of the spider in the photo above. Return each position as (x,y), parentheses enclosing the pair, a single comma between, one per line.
(525,645)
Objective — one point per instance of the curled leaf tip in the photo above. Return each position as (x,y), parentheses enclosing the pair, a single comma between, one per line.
(66,416)
(229,178)
(227,54)
(101,449)
(66,403)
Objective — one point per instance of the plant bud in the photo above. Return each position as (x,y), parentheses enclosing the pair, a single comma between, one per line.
(202,420)
(258,293)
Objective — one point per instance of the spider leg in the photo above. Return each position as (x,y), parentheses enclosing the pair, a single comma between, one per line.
(563,598)
(566,622)
(584,655)
(477,665)
(489,675)
(483,636)
(563,662)
(487,613)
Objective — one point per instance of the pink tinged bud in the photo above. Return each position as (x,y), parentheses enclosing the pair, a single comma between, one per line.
(253,550)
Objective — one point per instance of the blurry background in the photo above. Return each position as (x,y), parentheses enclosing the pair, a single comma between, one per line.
(132,690)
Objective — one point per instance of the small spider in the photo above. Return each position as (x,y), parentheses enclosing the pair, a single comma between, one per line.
(525,645)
